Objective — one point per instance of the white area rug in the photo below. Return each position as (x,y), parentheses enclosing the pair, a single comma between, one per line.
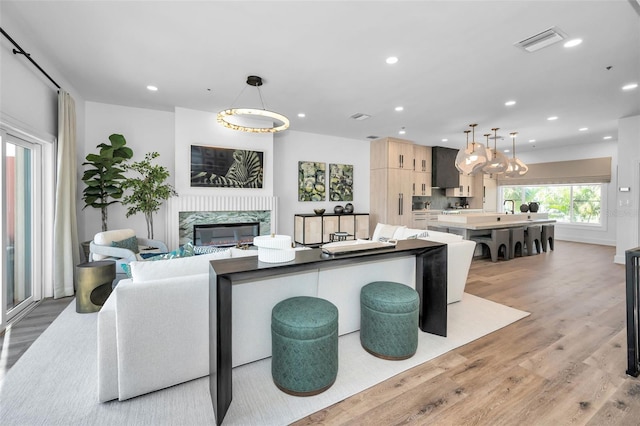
(54,382)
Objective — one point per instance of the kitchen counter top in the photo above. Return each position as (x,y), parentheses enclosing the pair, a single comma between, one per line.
(492,225)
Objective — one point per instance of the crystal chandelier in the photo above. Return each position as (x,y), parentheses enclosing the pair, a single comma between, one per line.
(278,122)
(516,166)
(471,160)
(497,162)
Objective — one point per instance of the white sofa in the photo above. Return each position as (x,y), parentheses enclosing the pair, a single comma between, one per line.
(459,253)
(153,330)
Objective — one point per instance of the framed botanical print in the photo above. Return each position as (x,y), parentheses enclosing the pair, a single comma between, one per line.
(341,182)
(311,181)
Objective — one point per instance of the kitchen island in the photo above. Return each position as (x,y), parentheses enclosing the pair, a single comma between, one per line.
(482,223)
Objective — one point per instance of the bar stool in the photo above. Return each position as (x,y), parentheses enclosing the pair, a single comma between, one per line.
(532,236)
(499,240)
(547,236)
(304,343)
(516,241)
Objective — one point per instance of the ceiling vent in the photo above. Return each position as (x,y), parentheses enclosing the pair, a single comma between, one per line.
(360,116)
(541,40)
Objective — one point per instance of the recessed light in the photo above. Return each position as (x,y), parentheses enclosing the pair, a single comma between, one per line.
(302,115)
(391,60)
(152,88)
(506,150)
(606,138)
(510,103)
(553,117)
(399,108)
(402,132)
(630,86)
(583,129)
(573,43)
(445,140)
(532,140)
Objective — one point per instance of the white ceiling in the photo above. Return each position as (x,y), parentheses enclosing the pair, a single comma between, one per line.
(457,62)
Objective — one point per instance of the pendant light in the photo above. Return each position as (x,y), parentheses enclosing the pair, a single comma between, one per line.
(497,162)
(474,158)
(462,153)
(516,166)
(277,122)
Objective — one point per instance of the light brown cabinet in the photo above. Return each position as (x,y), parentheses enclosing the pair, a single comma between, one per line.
(421,184)
(391,153)
(467,187)
(313,230)
(422,159)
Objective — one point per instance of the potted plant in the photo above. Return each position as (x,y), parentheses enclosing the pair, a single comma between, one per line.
(147,191)
(105,177)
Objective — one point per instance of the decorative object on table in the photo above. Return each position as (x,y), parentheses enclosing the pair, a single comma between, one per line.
(516,166)
(348,208)
(319,212)
(278,121)
(274,248)
(341,182)
(311,181)
(226,167)
(471,160)
(338,209)
(534,206)
(524,208)
(148,191)
(105,177)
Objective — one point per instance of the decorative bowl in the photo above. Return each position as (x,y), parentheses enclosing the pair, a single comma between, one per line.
(338,209)
(319,212)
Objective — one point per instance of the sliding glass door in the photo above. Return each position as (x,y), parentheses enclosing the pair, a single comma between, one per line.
(21,227)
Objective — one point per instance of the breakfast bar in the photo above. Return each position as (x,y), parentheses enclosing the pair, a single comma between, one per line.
(430,283)
(482,223)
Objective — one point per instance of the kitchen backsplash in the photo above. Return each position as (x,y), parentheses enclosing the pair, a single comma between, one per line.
(438,199)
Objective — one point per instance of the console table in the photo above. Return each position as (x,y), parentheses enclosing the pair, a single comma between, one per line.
(430,278)
(313,230)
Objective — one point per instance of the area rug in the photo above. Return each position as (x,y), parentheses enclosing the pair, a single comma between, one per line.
(54,382)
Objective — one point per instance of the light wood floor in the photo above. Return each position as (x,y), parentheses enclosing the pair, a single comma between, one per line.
(564,364)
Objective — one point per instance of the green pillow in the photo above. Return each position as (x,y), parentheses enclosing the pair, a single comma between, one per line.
(130,243)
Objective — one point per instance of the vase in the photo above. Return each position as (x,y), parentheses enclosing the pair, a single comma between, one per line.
(348,208)
(338,209)
(533,207)
(524,208)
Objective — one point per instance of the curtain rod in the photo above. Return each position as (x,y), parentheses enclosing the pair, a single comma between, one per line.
(20,51)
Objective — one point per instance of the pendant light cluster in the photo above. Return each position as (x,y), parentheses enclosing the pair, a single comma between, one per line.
(476,158)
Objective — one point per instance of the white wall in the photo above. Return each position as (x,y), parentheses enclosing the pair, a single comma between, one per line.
(291,147)
(145,131)
(585,234)
(626,209)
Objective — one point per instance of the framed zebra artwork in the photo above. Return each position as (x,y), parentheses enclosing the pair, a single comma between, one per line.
(226,167)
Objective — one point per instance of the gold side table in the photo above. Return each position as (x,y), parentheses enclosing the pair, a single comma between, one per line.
(94,284)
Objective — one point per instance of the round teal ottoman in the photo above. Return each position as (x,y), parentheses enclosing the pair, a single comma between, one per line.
(389,320)
(304,345)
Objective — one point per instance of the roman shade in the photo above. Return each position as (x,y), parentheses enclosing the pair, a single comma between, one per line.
(590,170)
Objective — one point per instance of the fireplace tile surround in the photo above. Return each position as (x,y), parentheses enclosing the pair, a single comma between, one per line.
(186,211)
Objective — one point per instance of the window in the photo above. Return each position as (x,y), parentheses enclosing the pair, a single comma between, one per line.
(575,204)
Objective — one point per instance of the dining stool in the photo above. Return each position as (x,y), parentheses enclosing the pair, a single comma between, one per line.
(532,237)
(304,345)
(389,320)
(547,236)
(516,241)
(496,243)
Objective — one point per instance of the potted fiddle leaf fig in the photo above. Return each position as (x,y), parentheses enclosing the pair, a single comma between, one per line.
(149,190)
(104,177)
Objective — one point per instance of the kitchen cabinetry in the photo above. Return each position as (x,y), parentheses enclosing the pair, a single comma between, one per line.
(391,181)
(311,229)
(421,170)
(465,189)
(490,193)
(421,184)
(443,167)
(419,220)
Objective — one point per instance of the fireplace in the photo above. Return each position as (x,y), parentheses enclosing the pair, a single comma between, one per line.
(225,234)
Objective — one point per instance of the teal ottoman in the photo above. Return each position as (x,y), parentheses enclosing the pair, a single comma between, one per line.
(389,320)
(304,345)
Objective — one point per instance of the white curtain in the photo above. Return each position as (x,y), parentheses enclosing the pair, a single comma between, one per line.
(66,254)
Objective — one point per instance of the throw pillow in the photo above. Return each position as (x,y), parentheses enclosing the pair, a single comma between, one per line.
(184,251)
(177,267)
(208,249)
(416,236)
(127,269)
(130,243)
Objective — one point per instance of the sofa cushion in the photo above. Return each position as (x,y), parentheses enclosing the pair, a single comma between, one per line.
(176,267)
(384,232)
(186,250)
(237,252)
(411,233)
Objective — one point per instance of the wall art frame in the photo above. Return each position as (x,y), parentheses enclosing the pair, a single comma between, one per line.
(341,182)
(218,167)
(311,181)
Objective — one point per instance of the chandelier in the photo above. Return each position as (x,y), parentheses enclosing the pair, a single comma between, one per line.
(471,160)
(516,166)
(497,162)
(277,121)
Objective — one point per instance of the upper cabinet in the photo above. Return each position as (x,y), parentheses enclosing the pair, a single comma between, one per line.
(443,168)
(422,158)
(391,153)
